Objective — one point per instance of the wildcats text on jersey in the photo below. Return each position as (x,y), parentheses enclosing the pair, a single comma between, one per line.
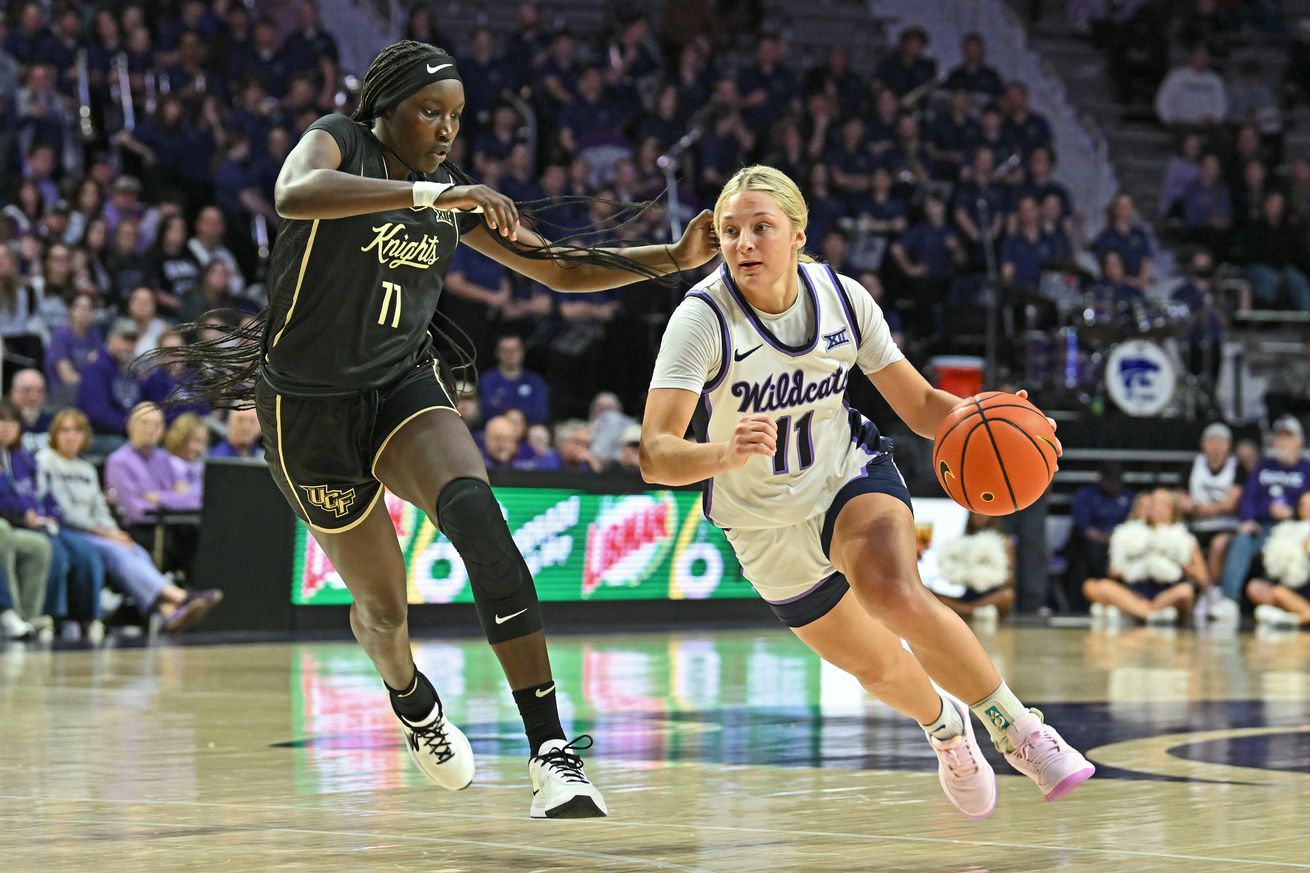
(789,389)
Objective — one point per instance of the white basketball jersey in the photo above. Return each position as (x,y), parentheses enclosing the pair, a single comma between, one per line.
(1205,486)
(803,387)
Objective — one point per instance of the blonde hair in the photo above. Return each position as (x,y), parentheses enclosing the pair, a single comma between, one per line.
(78,418)
(139,410)
(180,431)
(775,183)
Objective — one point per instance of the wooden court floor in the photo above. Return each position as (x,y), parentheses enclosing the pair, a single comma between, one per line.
(717,750)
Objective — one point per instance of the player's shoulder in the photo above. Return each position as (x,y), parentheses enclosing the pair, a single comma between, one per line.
(335,121)
(712,290)
(349,134)
(824,276)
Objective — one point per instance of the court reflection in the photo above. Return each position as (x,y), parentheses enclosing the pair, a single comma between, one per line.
(752,698)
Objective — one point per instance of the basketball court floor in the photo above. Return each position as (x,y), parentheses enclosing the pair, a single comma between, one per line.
(716,750)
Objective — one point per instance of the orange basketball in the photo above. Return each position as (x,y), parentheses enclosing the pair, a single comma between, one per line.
(995,453)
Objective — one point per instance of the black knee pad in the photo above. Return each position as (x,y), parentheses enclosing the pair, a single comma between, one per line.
(503,593)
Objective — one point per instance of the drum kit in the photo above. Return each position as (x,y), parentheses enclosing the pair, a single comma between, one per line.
(1130,351)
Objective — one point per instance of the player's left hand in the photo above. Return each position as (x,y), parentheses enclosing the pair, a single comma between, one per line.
(698,244)
(1059,449)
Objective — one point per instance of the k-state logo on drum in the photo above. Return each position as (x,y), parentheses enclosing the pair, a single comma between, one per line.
(1140,377)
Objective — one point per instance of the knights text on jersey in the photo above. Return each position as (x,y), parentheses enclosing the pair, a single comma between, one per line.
(802,387)
(350,299)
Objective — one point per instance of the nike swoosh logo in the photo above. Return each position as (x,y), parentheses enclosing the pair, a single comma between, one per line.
(741,356)
(437,69)
(542,693)
(501,619)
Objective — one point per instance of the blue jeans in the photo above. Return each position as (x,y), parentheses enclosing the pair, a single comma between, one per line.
(77,573)
(128,566)
(6,596)
(1264,285)
(1237,565)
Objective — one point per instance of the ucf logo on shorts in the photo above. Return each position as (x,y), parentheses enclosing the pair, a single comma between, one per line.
(332,500)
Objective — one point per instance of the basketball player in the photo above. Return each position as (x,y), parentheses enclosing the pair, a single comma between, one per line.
(350,399)
(806,489)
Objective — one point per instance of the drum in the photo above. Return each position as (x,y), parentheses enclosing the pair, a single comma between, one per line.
(1154,319)
(1099,321)
(1140,377)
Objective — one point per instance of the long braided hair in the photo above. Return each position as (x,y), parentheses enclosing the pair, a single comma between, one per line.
(223,366)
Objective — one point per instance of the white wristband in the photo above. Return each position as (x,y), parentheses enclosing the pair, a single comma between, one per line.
(426,193)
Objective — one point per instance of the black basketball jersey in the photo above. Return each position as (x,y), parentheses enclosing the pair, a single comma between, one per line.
(350,299)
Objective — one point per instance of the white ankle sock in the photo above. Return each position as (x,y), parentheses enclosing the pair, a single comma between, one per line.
(949,722)
(999,710)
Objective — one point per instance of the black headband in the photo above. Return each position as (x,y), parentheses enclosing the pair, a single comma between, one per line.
(434,67)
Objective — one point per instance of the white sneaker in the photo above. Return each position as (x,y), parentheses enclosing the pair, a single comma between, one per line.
(110,600)
(965,775)
(45,628)
(439,749)
(1268,614)
(95,632)
(559,787)
(12,626)
(1107,614)
(1166,616)
(1223,610)
(986,616)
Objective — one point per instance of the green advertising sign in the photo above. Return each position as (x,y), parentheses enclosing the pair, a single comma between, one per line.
(654,545)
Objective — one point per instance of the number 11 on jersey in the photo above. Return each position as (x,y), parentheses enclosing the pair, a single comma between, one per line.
(389,288)
(804,443)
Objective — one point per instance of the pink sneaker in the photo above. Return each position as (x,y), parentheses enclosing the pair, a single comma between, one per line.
(1042,755)
(966,777)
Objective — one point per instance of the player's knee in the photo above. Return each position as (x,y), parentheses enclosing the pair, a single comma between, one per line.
(502,584)
(379,617)
(872,676)
(469,515)
(466,509)
(874,673)
(902,601)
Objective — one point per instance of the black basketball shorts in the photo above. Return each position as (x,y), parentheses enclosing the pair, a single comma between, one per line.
(323,451)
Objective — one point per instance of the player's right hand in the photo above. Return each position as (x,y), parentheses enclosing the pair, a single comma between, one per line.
(753,435)
(498,211)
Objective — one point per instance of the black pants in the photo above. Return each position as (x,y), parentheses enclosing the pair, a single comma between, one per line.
(1087,560)
(180,543)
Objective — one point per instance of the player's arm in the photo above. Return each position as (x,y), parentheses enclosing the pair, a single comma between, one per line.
(918,404)
(310,186)
(568,273)
(668,458)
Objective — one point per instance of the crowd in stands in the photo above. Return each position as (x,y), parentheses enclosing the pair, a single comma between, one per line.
(1230,190)
(1234,538)
(138,185)
(908,173)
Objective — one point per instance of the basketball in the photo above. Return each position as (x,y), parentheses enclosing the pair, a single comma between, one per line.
(995,453)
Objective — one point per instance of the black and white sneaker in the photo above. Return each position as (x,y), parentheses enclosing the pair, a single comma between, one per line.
(439,749)
(559,787)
